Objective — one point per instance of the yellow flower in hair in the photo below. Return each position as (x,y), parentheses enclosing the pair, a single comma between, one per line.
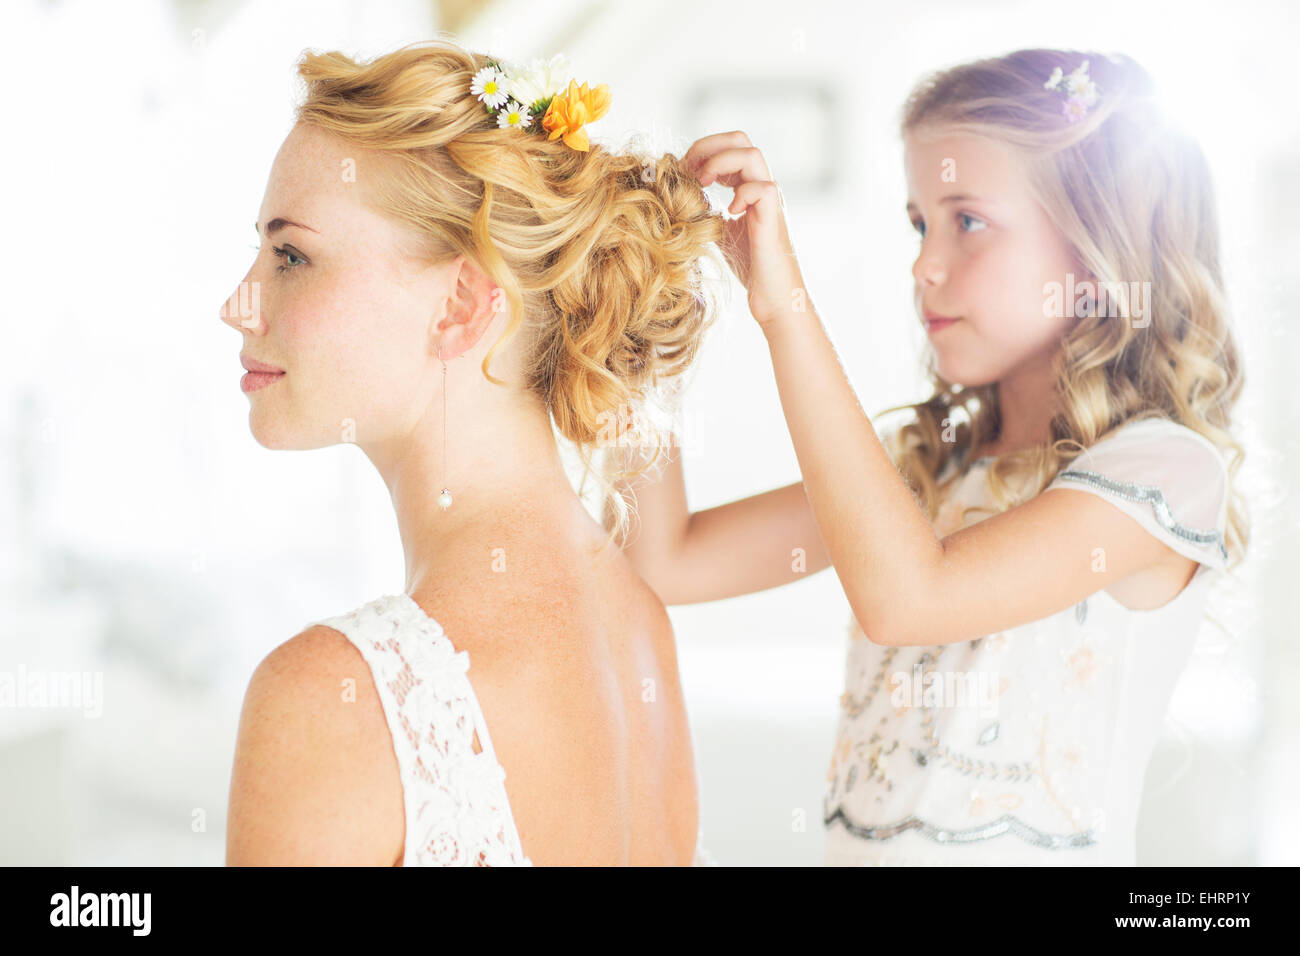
(572,110)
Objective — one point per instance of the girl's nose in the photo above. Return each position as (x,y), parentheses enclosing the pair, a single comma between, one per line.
(927,270)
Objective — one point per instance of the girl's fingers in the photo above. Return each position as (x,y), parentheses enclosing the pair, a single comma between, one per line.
(757,244)
(706,146)
(761,203)
(733,166)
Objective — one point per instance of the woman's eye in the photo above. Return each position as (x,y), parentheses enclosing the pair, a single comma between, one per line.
(285,255)
(919,226)
(963,216)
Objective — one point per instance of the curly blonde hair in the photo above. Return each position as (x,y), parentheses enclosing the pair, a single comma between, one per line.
(598,253)
(1133,196)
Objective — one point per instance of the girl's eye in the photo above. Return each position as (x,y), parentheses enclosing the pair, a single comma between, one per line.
(979,224)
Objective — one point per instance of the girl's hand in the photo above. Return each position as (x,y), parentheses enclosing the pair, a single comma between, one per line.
(757,246)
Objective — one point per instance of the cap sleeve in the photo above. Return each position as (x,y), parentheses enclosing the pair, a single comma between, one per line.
(1169,478)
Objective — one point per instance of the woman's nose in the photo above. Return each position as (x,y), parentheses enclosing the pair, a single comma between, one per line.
(243,310)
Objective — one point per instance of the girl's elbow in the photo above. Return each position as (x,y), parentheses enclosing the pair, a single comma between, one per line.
(878,630)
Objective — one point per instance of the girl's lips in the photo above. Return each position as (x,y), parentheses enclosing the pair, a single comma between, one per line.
(933,325)
(935,320)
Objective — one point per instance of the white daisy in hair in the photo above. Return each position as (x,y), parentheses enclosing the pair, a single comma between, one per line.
(539,79)
(491,86)
(514,115)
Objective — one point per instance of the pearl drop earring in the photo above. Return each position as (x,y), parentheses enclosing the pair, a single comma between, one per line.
(444,499)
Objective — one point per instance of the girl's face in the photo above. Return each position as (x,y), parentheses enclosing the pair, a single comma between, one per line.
(987,251)
(332,300)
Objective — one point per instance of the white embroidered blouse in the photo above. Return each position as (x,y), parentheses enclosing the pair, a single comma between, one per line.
(455,801)
(1029,746)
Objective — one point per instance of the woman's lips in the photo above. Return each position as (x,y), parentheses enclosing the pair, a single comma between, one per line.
(253,365)
(252,381)
(259,374)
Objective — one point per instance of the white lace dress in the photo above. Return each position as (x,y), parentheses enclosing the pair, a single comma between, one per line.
(457,810)
(1029,746)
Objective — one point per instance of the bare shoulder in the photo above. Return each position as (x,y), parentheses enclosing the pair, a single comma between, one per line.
(523,614)
(315,780)
(535,625)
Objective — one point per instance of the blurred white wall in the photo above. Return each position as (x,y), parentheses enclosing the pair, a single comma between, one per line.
(138,155)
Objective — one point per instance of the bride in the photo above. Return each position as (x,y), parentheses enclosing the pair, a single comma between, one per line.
(450,272)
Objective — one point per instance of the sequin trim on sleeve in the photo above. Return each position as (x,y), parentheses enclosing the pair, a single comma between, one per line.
(1132,491)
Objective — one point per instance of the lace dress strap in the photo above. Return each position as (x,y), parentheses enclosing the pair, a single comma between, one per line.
(456,807)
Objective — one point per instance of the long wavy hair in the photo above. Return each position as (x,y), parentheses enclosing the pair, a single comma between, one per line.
(1133,196)
(598,253)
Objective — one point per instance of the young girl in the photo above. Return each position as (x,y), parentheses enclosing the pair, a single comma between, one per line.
(1027,558)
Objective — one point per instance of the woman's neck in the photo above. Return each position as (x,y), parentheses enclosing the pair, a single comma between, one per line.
(505,476)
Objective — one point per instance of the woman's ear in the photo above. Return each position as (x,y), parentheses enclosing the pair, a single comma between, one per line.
(472,304)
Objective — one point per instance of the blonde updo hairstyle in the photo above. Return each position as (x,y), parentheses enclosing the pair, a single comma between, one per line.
(598,253)
(1132,194)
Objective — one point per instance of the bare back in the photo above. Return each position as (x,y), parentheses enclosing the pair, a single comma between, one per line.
(572,659)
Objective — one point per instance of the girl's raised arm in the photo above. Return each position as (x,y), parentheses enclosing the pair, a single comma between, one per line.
(749,545)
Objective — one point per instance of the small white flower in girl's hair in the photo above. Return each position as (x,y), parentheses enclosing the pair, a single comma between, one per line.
(1079,89)
(514,115)
(1079,85)
(490,86)
(1074,109)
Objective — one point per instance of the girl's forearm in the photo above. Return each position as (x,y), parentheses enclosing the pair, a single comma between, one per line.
(759,542)
(884,550)
(756,543)
(658,518)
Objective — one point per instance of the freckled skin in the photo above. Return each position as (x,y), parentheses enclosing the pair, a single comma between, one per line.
(351,323)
